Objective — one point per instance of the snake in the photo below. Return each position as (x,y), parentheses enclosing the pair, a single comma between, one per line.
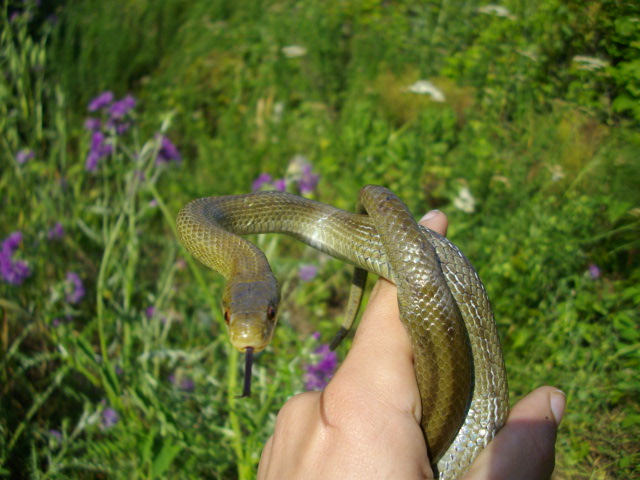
(458,362)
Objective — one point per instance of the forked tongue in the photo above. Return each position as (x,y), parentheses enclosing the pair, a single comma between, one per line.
(246,389)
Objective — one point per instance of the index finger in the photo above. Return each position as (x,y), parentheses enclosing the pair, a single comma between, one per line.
(377,378)
(381,353)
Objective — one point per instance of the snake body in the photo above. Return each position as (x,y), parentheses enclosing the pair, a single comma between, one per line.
(443,304)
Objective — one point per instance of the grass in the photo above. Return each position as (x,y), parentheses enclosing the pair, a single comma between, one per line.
(533,157)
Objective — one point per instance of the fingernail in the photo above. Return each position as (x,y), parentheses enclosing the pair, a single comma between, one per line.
(430,215)
(558,401)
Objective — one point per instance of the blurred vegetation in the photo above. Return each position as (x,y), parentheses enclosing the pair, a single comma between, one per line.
(534,154)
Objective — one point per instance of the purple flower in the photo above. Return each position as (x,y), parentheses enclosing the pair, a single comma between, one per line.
(168,151)
(92,162)
(594,271)
(56,233)
(12,271)
(307,272)
(97,141)
(308,181)
(258,183)
(120,108)
(23,155)
(56,322)
(187,384)
(149,312)
(97,150)
(264,179)
(101,101)
(183,382)
(318,374)
(122,127)
(75,288)
(117,111)
(92,124)
(12,242)
(299,172)
(109,418)
(280,185)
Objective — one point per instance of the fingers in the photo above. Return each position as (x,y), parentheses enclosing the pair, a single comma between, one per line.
(265,457)
(525,447)
(436,221)
(381,354)
(367,419)
(296,444)
(377,376)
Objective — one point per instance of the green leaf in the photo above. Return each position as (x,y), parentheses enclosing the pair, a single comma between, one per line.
(164,458)
(624,103)
(625,461)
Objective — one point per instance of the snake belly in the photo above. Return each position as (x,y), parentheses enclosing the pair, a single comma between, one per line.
(457,354)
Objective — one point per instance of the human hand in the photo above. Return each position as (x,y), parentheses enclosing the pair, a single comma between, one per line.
(366,422)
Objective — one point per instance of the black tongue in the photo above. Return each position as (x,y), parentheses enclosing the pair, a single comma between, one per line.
(246,389)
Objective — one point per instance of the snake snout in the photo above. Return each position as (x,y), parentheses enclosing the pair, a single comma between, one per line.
(249,330)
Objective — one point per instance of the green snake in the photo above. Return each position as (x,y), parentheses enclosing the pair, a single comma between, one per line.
(457,355)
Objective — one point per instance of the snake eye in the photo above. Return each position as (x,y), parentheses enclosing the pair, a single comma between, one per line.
(271,312)
(226,317)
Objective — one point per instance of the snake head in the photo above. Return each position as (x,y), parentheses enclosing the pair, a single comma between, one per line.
(250,312)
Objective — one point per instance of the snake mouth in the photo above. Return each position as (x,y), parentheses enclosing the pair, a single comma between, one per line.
(247,330)
(243,343)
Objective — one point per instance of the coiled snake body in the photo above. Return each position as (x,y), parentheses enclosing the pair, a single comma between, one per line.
(443,304)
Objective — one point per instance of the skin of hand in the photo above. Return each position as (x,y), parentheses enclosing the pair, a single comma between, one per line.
(366,422)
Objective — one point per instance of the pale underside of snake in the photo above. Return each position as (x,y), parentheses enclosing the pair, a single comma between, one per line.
(443,304)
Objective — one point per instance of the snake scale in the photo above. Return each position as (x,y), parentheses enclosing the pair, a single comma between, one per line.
(443,304)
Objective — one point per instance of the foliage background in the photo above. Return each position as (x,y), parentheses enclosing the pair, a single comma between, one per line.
(534,155)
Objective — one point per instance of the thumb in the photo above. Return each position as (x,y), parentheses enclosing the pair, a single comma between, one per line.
(524,447)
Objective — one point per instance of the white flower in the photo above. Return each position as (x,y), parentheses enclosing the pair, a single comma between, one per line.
(278,109)
(465,201)
(585,62)
(425,87)
(497,10)
(293,51)
(557,173)
(296,166)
